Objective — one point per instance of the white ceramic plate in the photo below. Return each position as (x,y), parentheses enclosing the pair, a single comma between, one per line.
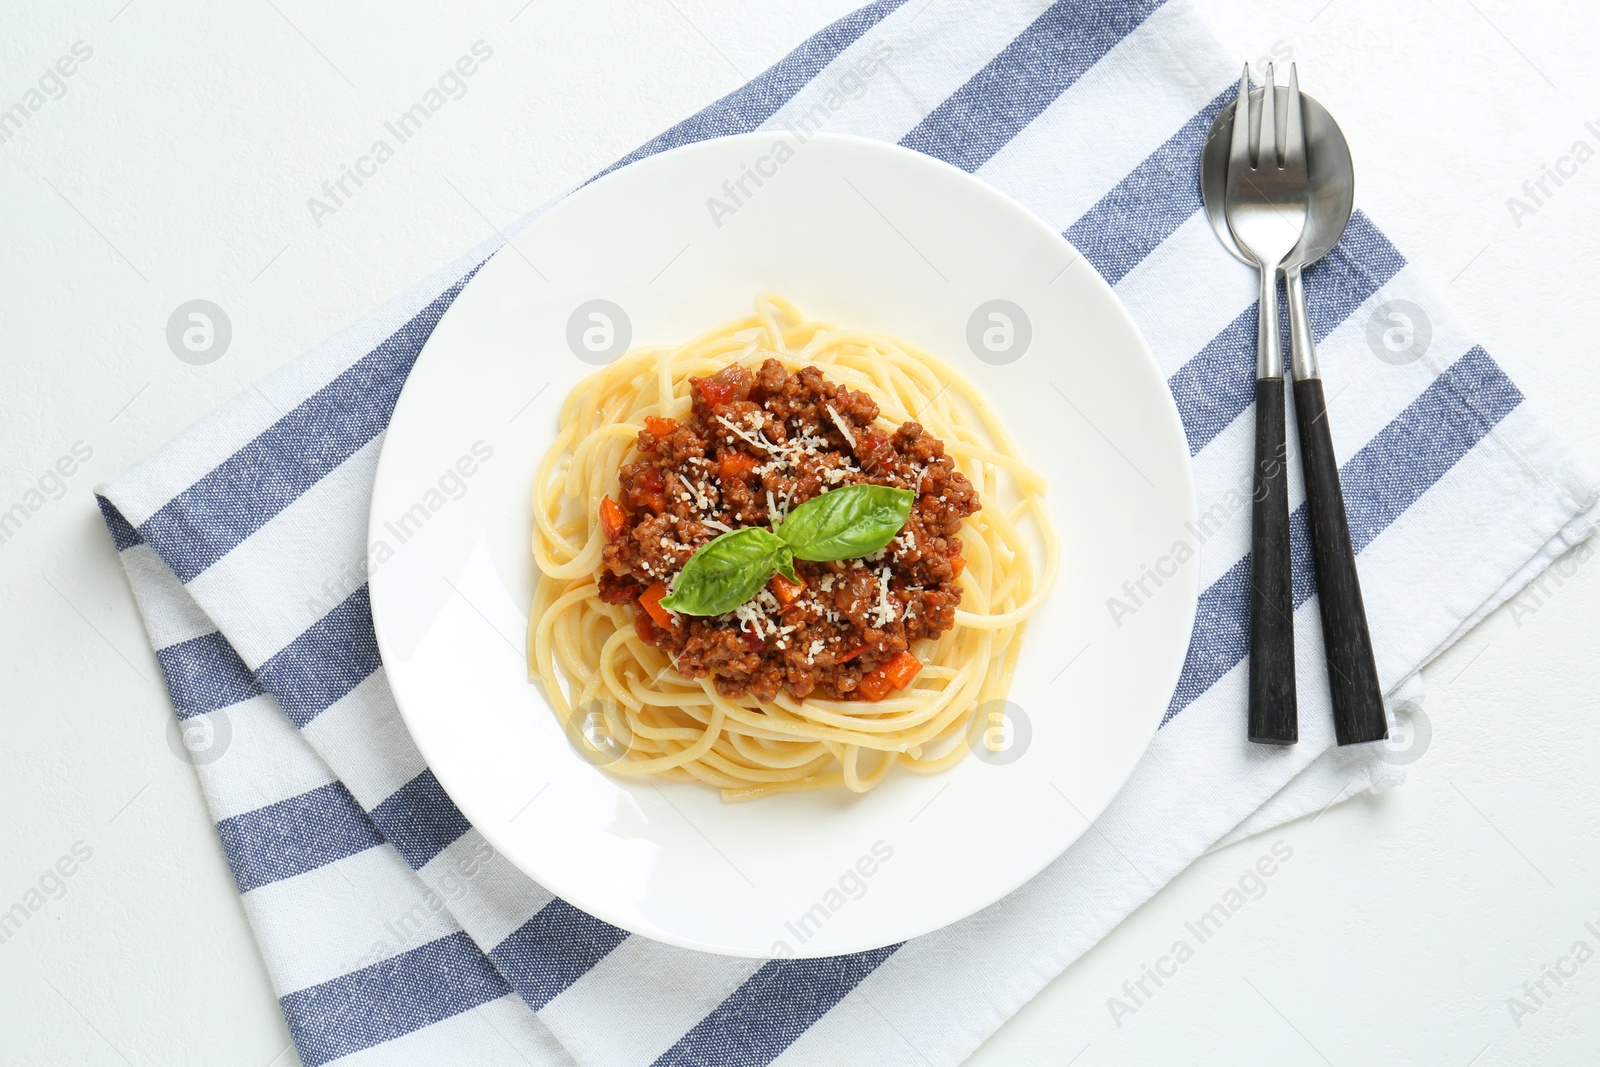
(868,235)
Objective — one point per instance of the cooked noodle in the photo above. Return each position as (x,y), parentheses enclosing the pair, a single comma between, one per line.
(625,706)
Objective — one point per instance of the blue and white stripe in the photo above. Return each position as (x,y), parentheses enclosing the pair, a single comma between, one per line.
(394,933)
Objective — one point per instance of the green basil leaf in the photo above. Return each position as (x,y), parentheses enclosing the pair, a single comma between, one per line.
(785,563)
(725,572)
(845,523)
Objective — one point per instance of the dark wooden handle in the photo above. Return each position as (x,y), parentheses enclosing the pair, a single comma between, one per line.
(1352,670)
(1273,719)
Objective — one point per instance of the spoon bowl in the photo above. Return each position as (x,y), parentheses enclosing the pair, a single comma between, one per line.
(1328,166)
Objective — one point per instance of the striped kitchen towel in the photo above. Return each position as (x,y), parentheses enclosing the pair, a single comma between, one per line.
(394,934)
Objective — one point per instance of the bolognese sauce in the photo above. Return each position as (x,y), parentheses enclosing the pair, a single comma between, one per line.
(753,447)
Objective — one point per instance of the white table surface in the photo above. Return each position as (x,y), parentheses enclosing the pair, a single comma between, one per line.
(177,166)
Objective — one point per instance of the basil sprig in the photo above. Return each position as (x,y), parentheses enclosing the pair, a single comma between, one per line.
(726,572)
(845,523)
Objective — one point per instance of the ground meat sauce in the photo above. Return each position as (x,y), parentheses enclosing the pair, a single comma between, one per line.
(754,447)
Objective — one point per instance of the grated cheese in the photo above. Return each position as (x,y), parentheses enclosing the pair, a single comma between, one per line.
(700,496)
(883,612)
(749,616)
(837,421)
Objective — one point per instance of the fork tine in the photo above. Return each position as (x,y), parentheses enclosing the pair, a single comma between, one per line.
(1294,137)
(1239,150)
(1267,150)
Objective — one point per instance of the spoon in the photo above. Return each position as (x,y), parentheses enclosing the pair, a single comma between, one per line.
(1333,187)
(1352,670)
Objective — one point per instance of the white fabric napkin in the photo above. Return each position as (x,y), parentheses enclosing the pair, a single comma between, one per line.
(395,935)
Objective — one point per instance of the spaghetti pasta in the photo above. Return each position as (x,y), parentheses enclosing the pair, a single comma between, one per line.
(626,705)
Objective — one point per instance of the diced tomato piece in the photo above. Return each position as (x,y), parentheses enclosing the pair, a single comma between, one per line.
(873,686)
(736,465)
(852,654)
(713,391)
(901,668)
(751,641)
(659,426)
(612,518)
(650,600)
(895,674)
(957,565)
(648,490)
(786,591)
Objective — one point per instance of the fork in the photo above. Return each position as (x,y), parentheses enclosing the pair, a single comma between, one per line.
(1266,203)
